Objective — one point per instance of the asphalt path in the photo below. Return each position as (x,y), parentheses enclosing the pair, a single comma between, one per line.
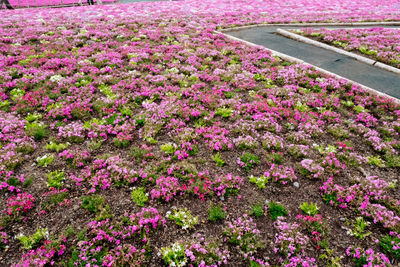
(379,79)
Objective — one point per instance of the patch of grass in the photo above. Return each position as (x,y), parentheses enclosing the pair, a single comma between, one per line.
(276,210)
(276,158)
(249,160)
(37,130)
(93,203)
(216,213)
(388,244)
(257,210)
(392,160)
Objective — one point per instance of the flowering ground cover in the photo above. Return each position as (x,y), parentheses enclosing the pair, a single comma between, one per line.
(134,135)
(37,3)
(381,44)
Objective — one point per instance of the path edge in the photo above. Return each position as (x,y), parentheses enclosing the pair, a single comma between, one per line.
(312,24)
(299,61)
(360,58)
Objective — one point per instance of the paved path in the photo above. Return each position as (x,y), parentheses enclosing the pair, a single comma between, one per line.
(379,79)
(133,1)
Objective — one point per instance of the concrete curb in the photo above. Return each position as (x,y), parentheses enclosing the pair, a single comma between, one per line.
(299,61)
(365,60)
(383,23)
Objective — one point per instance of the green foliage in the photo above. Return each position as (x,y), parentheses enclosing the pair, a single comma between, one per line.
(168,148)
(249,160)
(259,181)
(359,228)
(218,160)
(224,112)
(56,147)
(257,210)
(29,242)
(121,142)
(392,160)
(37,130)
(216,213)
(229,94)
(276,158)
(55,179)
(339,132)
(93,203)
(360,109)
(54,200)
(276,210)
(139,196)
(388,244)
(310,209)
(296,152)
(331,261)
(45,160)
(376,161)
(183,218)
(33,117)
(175,255)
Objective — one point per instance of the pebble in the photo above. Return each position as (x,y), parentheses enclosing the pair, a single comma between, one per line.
(296,184)
(342,219)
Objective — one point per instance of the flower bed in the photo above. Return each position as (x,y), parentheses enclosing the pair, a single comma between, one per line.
(42,3)
(381,44)
(135,135)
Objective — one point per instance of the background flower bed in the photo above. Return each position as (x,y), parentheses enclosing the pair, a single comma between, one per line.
(381,44)
(40,3)
(99,102)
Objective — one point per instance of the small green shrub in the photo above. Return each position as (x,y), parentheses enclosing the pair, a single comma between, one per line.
(56,147)
(392,160)
(389,244)
(183,218)
(257,210)
(29,242)
(93,203)
(37,130)
(218,160)
(359,228)
(216,213)
(175,255)
(224,112)
(376,161)
(276,210)
(249,160)
(45,160)
(33,117)
(276,158)
(55,179)
(121,142)
(168,148)
(54,200)
(139,196)
(310,209)
(259,181)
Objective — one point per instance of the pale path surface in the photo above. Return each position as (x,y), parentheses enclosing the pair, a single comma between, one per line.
(133,1)
(379,79)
